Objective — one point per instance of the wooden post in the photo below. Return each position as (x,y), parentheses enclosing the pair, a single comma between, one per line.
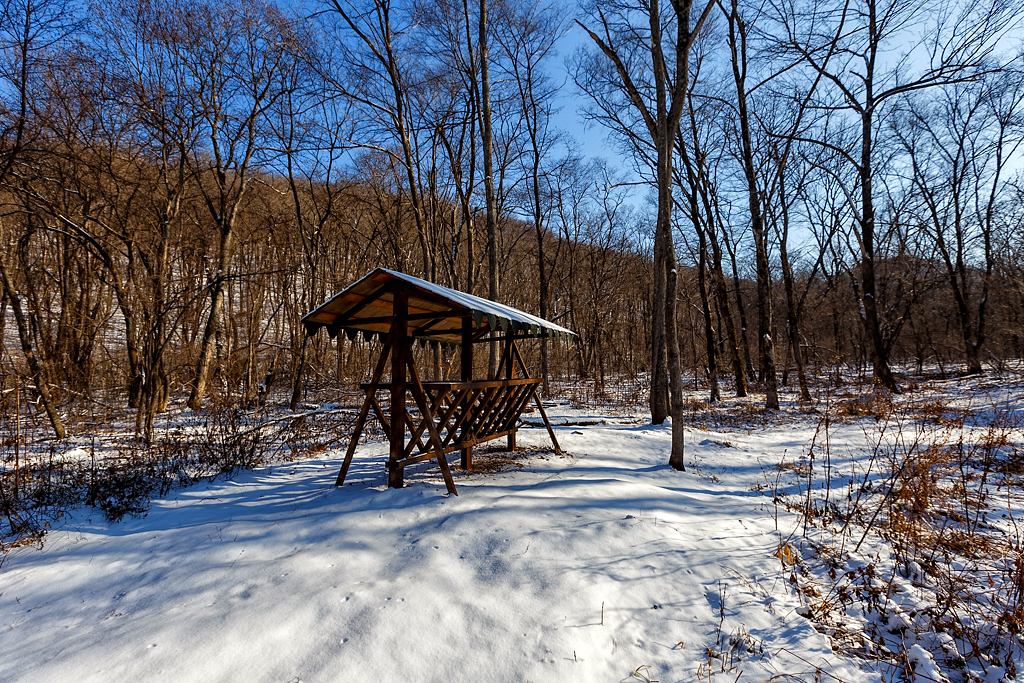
(368,402)
(467,376)
(510,373)
(399,353)
(540,404)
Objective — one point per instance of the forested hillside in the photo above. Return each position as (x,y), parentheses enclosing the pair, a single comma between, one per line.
(812,188)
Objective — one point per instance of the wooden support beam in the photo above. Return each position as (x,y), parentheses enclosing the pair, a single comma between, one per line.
(457,385)
(400,354)
(361,419)
(343,319)
(510,373)
(390,319)
(547,422)
(540,404)
(421,457)
(422,426)
(505,337)
(519,359)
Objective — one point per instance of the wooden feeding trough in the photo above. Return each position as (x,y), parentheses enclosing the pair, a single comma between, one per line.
(448,416)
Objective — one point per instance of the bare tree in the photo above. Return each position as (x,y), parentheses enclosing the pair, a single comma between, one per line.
(959,144)
(527,36)
(233,55)
(30,31)
(852,50)
(618,42)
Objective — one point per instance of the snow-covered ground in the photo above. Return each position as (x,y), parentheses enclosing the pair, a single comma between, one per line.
(600,565)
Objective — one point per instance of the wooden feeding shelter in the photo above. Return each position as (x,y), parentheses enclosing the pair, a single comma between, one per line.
(448,416)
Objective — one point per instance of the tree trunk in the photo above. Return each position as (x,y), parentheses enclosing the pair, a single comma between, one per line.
(792,316)
(676,458)
(709,325)
(34,367)
(659,401)
(765,344)
(872,328)
(224,254)
(722,297)
(488,153)
(748,365)
(300,370)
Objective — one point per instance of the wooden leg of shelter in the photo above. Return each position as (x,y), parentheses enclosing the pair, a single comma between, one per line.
(401,356)
(536,399)
(547,422)
(361,419)
(510,373)
(467,376)
(379,412)
(428,417)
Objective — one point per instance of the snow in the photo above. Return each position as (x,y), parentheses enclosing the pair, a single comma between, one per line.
(278,575)
(600,565)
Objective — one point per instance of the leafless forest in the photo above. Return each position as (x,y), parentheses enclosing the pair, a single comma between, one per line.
(815,189)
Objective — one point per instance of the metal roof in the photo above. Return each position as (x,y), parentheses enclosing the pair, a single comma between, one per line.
(435,312)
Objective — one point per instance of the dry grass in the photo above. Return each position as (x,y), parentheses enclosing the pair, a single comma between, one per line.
(935,475)
(496,459)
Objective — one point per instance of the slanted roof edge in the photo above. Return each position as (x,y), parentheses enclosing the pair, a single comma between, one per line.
(498,315)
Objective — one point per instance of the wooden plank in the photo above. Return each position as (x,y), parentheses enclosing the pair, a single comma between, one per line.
(423,330)
(504,337)
(361,419)
(496,410)
(415,440)
(422,457)
(453,408)
(513,408)
(478,384)
(341,320)
(464,417)
(426,295)
(522,363)
(421,399)
(491,397)
(452,332)
(521,400)
(540,405)
(389,319)
(379,412)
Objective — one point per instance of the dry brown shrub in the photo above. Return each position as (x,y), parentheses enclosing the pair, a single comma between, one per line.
(939,412)
(919,485)
(877,404)
(801,469)
(694,404)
